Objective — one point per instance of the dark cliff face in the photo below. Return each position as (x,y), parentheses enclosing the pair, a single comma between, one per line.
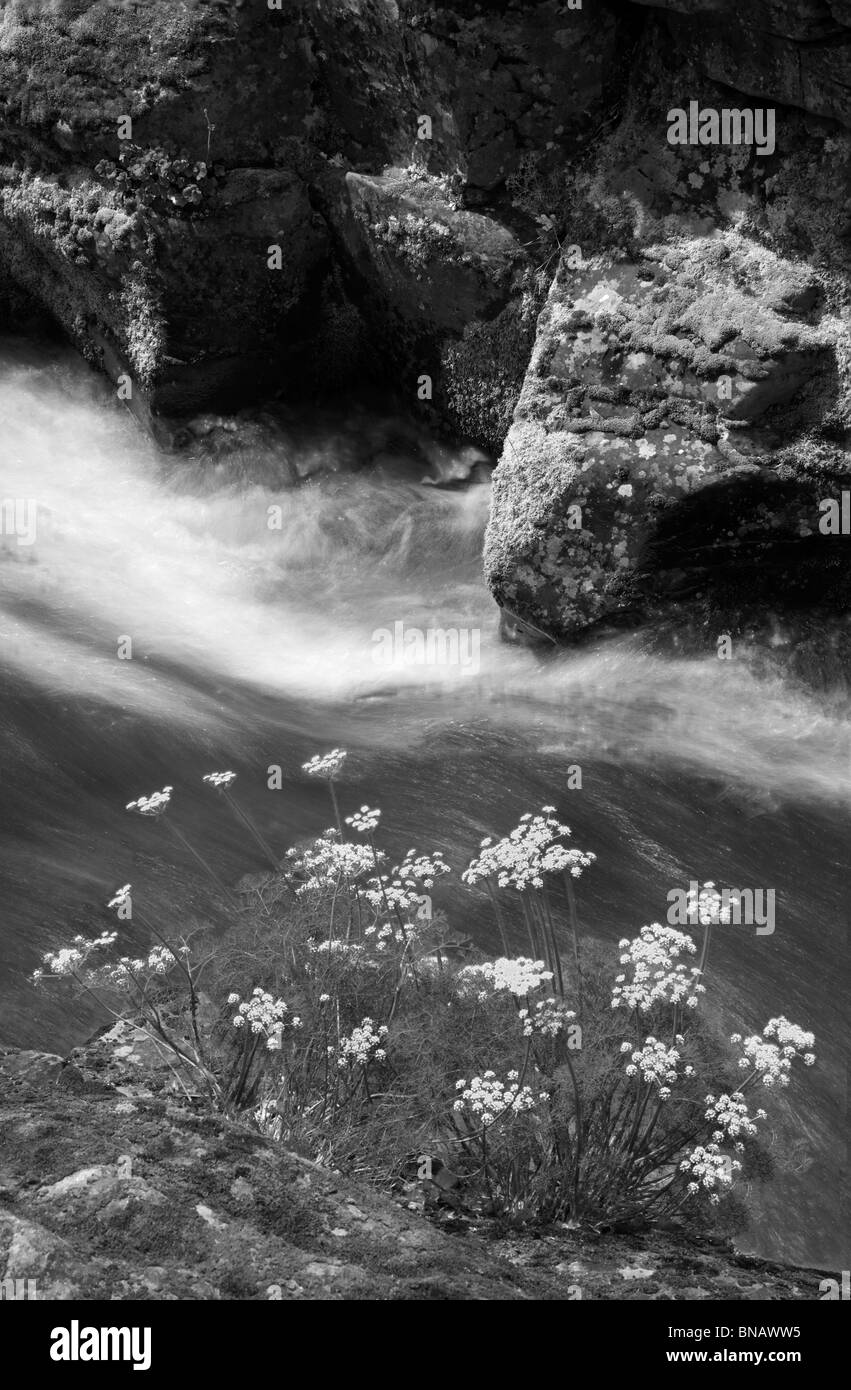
(477,207)
(153,251)
(795,54)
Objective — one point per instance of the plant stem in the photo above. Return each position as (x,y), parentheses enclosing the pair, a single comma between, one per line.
(574,929)
(502,936)
(252,829)
(181,838)
(335,804)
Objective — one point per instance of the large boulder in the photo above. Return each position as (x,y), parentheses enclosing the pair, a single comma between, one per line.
(450,294)
(688,402)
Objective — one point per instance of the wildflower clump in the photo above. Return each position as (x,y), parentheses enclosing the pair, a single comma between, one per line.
(338,1019)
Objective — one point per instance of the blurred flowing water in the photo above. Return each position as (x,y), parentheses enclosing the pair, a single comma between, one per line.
(252,649)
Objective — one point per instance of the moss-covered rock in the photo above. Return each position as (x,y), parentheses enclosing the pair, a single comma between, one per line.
(688,402)
(449,294)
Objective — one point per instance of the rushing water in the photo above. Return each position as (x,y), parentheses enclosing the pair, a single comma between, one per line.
(252,648)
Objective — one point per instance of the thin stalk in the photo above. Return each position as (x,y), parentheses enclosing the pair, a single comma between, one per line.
(548,918)
(251,828)
(536,954)
(579,1136)
(705,951)
(181,838)
(574,929)
(333,907)
(335,804)
(181,963)
(502,936)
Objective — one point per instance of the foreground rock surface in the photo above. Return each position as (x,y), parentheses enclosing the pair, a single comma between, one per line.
(114,1186)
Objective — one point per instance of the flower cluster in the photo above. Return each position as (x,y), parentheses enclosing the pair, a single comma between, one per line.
(385,894)
(122,896)
(548,1018)
(708,907)
(127,973)
(421,868)
(262,1013)
(655,1062)
(326,765)
(341,950)
(384,934)
(401,889)
(791,1038)
(520,977)
(730,1114)
(220,779)
(154,805)
(365,820)
(71,959)
(488,1098)
(657,975)
(708,1168)
(531,850)
(475,981)
(362,1046)
(773,1060)
(328,860)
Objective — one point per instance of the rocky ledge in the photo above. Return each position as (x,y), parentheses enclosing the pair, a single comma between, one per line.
(115,1185)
